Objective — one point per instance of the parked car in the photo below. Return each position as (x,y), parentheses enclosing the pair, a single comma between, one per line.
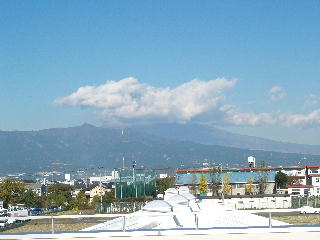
(4,212)
(3,222)
(54,208)
(308,210)
(35,211)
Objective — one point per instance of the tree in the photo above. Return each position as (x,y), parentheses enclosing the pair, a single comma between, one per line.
(80,202)
(164,183)
(293,181)
(281,179)
(249,186)
(11,191)
(262,178)
(203,186)
(96,199)
(226,188)
(31,199)
(193,187)
(59,194)
(215,180)
(108,197)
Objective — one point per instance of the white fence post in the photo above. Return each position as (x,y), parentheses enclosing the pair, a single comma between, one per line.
(124,223)
(52,225)
(270,223)
(196,221)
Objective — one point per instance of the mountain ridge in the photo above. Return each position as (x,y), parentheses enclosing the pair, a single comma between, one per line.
(88,146)
(215,136)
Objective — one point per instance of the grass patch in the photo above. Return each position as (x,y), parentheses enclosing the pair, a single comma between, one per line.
(306,219)
(60,225)
(70,212)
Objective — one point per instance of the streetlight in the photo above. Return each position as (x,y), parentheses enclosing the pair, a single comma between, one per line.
(134,163)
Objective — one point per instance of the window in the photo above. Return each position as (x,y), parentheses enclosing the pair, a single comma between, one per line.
(317,179)
(295,191)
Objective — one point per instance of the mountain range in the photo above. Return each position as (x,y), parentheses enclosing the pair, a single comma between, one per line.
(88,146)
(215,136)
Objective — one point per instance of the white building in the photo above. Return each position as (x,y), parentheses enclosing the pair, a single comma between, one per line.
(102,179)
(97,191)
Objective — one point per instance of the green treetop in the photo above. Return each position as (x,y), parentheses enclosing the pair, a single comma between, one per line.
(281,179)
(11,191)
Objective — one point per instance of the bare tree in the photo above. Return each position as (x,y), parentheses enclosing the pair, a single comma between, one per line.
(193,187)
(262,178)
(226,188)
(215,177)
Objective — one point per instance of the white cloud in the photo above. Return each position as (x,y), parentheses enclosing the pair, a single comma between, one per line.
(196,101)
(132,100)
(276,94)
(235,117)
(309,120)
(310,101)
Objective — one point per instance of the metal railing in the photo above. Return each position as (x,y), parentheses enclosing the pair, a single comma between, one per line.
(124,220)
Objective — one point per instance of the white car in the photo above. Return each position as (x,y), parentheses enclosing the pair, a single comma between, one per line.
(3,222)
(307,209)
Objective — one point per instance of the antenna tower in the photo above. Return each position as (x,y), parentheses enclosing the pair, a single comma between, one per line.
(122,134)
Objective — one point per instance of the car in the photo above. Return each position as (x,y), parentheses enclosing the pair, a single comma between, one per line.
(3,222)
(35,211)
(308,210)
(53,208)
(4,212)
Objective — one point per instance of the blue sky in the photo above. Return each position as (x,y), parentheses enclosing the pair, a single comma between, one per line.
(49,49)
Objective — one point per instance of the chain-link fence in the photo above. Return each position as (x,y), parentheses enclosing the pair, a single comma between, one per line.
(136,189)
(119,207)
(135,183)
(300,201)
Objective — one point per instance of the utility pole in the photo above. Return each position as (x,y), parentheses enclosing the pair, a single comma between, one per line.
(100,190)
(222,183)
(134,163)
(121,196)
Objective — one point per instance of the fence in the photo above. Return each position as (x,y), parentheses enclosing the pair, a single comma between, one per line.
(136,189)
(123,222)
(299,201)
(119,207)
(135,183)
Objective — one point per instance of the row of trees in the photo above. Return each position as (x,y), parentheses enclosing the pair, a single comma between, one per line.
(14,192)
(259,185)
